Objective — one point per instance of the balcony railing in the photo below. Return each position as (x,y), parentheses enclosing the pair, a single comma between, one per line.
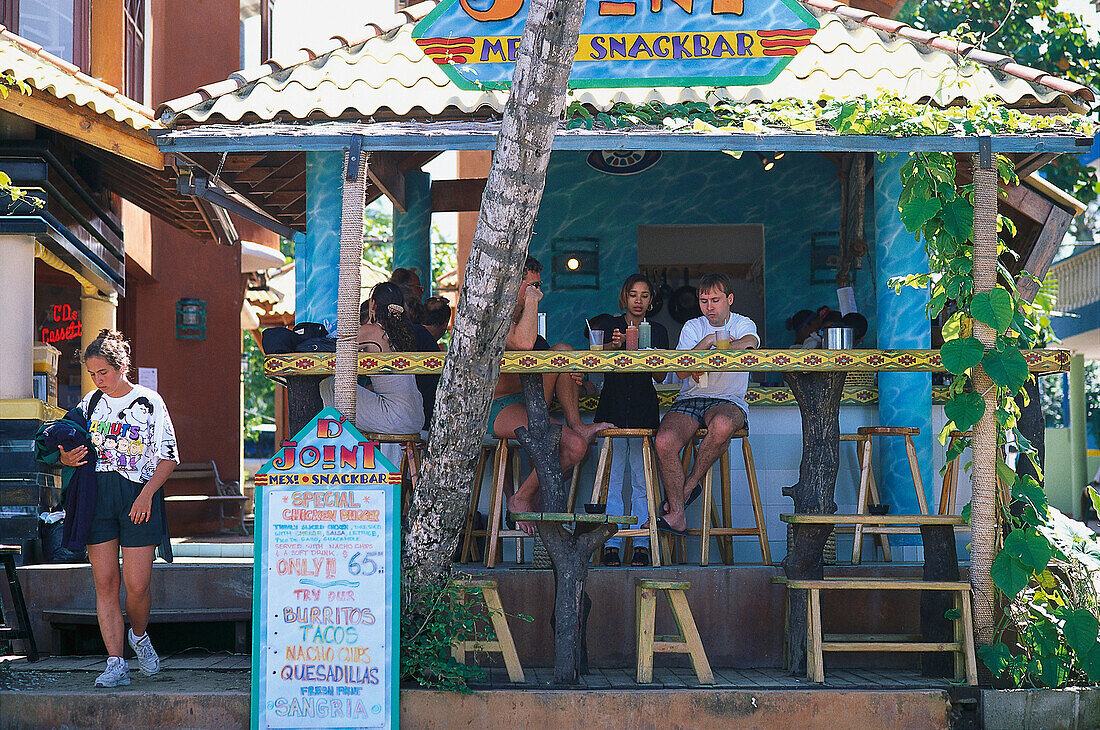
(1078,280)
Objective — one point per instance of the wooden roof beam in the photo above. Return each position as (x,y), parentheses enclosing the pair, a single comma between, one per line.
(457,196)
(383,171)
(83,124)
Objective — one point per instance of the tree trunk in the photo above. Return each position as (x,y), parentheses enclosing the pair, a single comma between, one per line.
(983,504)
(818,396)
(493,273)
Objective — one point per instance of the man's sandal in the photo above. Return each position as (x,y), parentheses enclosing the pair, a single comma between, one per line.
(610,557)
(640,558)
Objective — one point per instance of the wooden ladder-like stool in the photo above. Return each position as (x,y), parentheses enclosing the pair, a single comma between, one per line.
(504,644)
(869,490)
(817,642)
(411,447)
(718,522)
(950,490)
(686,642)
(652,483)
(22,628)
(505,452)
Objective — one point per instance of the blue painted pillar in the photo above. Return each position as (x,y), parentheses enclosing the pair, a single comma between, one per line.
(412,230)
(317,254)
(905,399)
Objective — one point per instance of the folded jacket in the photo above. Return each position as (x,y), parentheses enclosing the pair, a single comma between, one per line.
(78,484)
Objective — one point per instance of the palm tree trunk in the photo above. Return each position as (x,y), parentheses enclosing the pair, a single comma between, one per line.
(493,273)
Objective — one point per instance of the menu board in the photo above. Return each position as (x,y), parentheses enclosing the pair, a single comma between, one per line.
(324,630)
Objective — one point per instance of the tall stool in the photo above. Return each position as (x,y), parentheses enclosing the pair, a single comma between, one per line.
(504,645)
(411,446)
(652,482)
(950,488)
(868,489)
(505,452)
(718,522)
(687,641)
(22,628)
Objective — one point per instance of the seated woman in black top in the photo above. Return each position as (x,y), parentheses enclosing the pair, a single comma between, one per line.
(629,400)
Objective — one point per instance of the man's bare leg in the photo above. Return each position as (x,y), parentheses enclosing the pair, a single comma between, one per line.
(570,451)
(567,391)
(676,430)
(721,422)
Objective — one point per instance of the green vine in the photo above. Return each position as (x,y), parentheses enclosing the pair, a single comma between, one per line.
(1049,567)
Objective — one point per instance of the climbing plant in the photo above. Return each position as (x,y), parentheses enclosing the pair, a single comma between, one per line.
(1049,564)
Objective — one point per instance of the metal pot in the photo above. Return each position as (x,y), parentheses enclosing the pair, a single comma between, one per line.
(839,338)
(684,303)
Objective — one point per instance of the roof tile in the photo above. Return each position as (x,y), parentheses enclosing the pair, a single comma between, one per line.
(855,52)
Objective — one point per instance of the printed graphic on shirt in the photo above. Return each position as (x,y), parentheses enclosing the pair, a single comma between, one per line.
(132,434)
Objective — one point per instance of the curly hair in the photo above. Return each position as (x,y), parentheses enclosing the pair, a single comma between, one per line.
(113,347)
(389,313)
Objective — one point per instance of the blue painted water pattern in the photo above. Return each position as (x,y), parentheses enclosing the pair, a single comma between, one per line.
(317,262)
(412,245)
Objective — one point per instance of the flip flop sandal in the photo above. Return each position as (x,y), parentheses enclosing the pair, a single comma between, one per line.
(663,526)
(640,558)
(610,558)
(695,493)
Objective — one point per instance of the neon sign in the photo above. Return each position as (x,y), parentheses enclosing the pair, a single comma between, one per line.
(628,43)
(62,324)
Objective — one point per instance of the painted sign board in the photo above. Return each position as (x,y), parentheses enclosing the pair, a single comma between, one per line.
(325,582)
(649,43)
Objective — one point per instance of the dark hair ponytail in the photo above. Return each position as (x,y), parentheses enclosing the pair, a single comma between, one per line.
(112,347)
(389,313)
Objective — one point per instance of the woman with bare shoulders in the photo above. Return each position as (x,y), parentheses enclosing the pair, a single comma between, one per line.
(392,403)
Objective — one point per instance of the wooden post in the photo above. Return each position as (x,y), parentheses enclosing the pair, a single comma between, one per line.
(347,303)
(818,396)
(983,514)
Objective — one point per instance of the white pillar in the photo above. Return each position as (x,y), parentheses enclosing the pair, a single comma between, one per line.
(16,316)
(96,313)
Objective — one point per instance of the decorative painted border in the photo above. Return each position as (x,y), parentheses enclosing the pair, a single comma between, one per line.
(656,361)
(758,395)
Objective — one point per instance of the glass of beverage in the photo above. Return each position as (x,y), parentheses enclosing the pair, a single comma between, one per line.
(595,339)
(722,338)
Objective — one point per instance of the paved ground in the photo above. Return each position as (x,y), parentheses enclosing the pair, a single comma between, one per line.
(188,674)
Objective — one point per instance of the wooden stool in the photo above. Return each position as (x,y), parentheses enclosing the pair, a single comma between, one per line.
(719,523)
(652,483)
(817,642)
(22,628)
(504,644)
(950,488)
(506,451)
(410,460)
(686,642)
(868,489)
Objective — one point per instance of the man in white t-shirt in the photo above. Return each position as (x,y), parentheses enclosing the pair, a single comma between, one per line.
(715,401)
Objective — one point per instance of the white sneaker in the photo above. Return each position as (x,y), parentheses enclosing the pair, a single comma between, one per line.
(117,673)
(147,657)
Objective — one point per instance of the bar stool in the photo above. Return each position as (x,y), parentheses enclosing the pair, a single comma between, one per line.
(950,488)
(652,483)
(21,629)
(868,489)
(719,522)
(505,453)
(503,644)
(411,446)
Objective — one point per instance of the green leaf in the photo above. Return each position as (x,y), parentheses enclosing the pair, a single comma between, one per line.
(1007,369)
(961,354)
(917,212)
(952,614)
(1005,474)
(965,512)
(965,409)
(1009,574)
(1091,663)
(1080,630)
(993,308)
(1033,494)
(958,218)
(1095,497)
(995,657)
(1029,547)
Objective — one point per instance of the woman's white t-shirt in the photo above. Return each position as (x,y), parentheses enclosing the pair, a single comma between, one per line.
(132,434)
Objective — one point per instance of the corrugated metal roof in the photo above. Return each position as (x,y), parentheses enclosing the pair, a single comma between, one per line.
(855,52)
(43,71)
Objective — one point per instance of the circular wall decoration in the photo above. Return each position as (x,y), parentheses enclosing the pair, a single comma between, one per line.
(623,162)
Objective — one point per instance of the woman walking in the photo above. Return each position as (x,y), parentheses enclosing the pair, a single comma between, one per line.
(136,444)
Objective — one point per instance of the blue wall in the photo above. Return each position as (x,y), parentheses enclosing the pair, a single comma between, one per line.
(799,196)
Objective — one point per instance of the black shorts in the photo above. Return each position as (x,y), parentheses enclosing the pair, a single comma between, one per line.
(115,495)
